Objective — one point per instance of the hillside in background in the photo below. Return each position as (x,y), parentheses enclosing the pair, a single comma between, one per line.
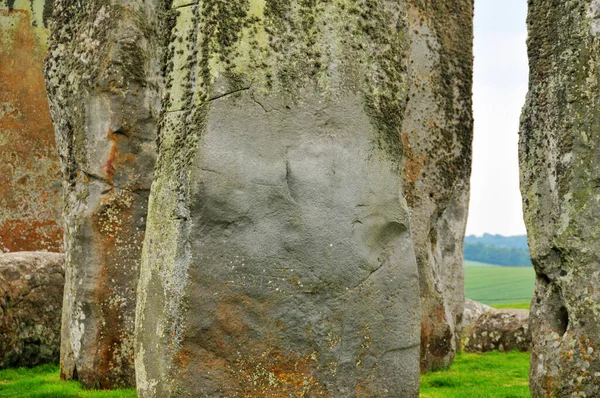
(497,249)
(519,241)
(495,285)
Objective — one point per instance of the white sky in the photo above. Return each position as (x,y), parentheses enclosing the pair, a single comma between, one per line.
(499,89)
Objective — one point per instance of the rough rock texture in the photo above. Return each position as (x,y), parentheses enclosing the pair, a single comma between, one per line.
(31,291)
(473,310)
(102,76)
(437,131)
(502,330)
(560,177)
(278,259)
(30,192)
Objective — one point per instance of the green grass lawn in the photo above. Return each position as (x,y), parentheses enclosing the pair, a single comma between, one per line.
(490,375)
(44,382)
(519,306)
(497,286)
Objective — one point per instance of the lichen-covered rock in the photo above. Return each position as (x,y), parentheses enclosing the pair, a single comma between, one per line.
(498,330)
(471,314)
(437,131)
(560,175)
(103,79)
(278,259)
(31,294)
(30,192)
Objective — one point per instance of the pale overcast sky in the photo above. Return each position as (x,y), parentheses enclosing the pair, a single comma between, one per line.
(500,86)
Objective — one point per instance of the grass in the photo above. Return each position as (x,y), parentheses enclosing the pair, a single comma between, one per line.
(474,264)
(519,306)
(490,375)
(471,376)
(44,382)
(498,286)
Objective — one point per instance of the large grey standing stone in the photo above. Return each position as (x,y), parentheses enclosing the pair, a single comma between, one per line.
(278,259)
(31,292)
(103,75)
(437,132)
(560,177)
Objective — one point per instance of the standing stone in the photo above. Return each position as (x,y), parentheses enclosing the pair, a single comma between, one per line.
(436,133)
(30,193)
(560,180)
(278,259)
(31,292)
(102,75)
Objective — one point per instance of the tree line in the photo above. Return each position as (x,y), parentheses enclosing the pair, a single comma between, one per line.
(497,249)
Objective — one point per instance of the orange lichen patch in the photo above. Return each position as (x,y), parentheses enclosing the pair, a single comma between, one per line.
(436,337)
(413,163)
(364,392)
(19,235)
(117,246)
(109,169)
(119,161)
(30,197)
(278,374)
(182,358)
(243,360)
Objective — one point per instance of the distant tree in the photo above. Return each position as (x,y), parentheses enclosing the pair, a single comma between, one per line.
(519,241)
(499,255)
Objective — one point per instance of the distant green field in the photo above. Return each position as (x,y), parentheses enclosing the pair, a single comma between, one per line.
(470,264)
(496,286)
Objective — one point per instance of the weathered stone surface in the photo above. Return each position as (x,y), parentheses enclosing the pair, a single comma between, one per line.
(103,74)
(31,293)
(278,259)
(560,174)
(501,330)
(30,194)
(437,131)
(473,310)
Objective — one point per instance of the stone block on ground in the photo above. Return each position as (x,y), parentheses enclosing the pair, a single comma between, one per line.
(31,296)
(488,329)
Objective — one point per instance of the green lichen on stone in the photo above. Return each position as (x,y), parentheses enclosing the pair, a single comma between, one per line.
(559,175)
(283,47)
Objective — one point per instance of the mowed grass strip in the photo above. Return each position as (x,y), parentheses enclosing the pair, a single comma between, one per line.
(495,285)
(490,375)
(471,376)
(44,382)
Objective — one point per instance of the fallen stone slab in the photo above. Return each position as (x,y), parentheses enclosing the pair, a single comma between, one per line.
(472,312)
(487,329)
(31,295)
